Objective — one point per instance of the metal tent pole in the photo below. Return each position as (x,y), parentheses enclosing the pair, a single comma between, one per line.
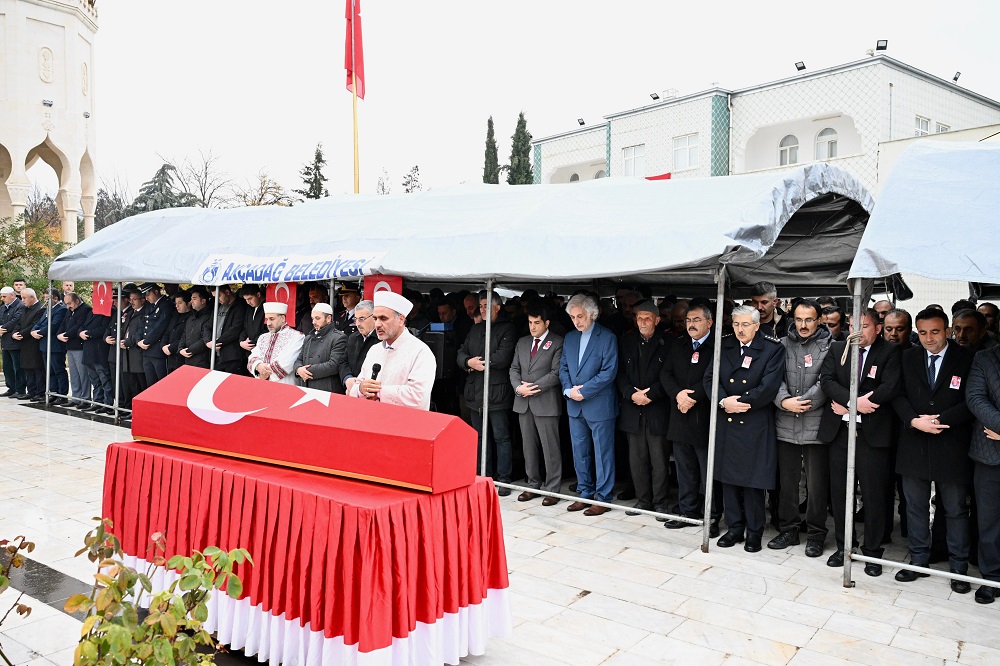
(118,351)
(713,419)
(852,436)
(215,321)
(486,375)
(48,346)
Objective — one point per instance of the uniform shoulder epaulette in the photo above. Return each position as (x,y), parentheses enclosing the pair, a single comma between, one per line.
(772,338)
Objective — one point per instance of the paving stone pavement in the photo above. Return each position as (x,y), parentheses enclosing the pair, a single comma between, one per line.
(614,590)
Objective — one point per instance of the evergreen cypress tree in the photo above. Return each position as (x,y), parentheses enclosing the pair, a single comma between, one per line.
(313,178)
(491,170)
(519,170)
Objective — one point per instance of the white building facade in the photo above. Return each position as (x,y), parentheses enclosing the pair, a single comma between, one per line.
(47,104)
(839,114)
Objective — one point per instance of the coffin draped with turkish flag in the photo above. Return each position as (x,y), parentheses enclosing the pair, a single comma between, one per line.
(305,428)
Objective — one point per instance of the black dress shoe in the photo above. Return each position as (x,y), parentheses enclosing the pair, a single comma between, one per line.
(661,508)
(908,576)
(873,570)
(7,394)
(502,492)
(753,543)
(627,493)
(836,560)
(784,540)
(814,548)
(639,505)
(20,396)
(672,524)
(729,539)
(985,594)
(713,528)
(960,586)
(572,487)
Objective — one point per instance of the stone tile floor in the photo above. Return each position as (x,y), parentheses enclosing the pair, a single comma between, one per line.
(613,590)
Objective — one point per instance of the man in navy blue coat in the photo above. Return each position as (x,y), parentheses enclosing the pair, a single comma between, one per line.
(587,370)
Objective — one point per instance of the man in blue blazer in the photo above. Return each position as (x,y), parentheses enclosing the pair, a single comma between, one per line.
(587,370)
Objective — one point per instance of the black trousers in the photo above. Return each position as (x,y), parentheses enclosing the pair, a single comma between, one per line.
(155,369)
(692,468)
(987,483)
(744,509)
(873,470)
(816,459)
(648,457)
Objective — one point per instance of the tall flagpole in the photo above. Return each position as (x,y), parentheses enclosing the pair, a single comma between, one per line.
(354,89)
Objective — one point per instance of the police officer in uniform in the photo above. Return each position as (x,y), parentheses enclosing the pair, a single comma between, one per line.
(751,369)
(156,315)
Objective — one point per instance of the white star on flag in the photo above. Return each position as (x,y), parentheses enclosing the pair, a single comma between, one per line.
(310,394)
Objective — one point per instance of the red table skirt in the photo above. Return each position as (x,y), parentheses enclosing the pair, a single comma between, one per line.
(359,563)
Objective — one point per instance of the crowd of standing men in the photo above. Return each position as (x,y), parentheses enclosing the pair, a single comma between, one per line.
(628,384)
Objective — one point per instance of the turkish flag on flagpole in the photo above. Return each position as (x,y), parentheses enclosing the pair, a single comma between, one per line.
(283,292)
(103,298)
(354,55)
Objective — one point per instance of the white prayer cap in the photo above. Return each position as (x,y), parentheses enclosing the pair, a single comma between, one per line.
(276,308)
(393,301)
(7,290)
(325,308)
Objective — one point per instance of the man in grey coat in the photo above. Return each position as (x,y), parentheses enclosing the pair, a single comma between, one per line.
(800,403)
(323,350)
(534,374)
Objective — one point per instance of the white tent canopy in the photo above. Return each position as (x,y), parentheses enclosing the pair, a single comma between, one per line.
(612,227)
(937,215)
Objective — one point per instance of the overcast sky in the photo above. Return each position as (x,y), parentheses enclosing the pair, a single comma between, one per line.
(260,83)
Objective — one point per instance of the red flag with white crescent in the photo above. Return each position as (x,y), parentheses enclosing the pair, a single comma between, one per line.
(283,292)
(354,55)
(103,298)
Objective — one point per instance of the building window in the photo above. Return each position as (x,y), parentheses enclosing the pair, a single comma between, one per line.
(788,150)
(600,174)
(635,160)
(938,128)
(826,144)
(922,126)
(574,178)
(685,152)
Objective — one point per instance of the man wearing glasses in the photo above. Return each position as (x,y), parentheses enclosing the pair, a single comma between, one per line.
(358,343)
(751,369)
(800,403)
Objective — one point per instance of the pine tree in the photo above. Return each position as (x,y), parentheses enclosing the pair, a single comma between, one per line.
(491,170)
(313,178)
(161,192)
(411,181)
(519,170)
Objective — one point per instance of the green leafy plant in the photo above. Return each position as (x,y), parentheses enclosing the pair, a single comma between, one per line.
(113,632)
(11,557)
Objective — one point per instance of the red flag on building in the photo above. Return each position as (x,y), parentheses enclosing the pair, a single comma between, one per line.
(103,298)
(354,56)
(283,292)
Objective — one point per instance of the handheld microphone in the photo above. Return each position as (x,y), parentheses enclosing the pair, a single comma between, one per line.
(376,368)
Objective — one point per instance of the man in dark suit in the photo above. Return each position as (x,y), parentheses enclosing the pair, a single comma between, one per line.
(156,316)
(587,371)
(878,385)
(534,374)
(683,380)
(645,411)
(500,396)
(934,443)
(230,356)
(358,343)
(983,398)
(253,318)
(751,369)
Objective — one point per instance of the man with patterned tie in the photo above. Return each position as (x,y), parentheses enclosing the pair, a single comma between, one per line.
(276,351)
(878,385)
(534,374)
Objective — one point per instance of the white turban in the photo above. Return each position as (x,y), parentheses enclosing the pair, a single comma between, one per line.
(276,308)
(325,308)
(393,301)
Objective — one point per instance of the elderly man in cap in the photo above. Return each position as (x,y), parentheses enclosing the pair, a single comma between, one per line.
(323,351)
(406,365)
(276,351)
(350,296)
